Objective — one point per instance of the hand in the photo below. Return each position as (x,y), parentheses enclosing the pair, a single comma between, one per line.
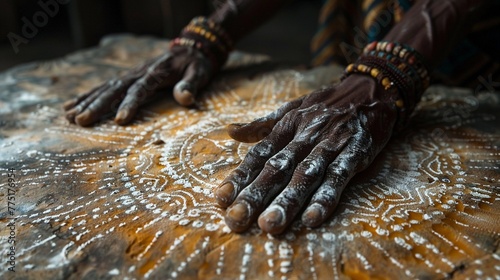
(310,149)
(184,67)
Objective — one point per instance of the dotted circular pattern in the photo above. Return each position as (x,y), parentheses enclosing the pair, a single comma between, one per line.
(136,201)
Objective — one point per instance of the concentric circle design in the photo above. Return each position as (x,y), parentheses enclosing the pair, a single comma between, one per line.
(136,201)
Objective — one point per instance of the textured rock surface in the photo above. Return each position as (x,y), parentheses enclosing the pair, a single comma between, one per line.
(131,202)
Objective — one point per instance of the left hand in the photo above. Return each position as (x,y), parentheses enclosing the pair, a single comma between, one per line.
(310,149)
(184,68)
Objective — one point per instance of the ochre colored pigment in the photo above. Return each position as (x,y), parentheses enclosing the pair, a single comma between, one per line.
(136,201)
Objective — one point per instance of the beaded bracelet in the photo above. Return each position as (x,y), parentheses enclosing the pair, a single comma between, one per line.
(215,27)
(208,37)
(203,48)
(384,79)
(418,73)
(396,71)
(394,66)
(404,52)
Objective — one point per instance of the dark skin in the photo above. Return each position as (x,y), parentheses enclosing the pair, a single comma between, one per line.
(185,69)
(309,148)
(315,145)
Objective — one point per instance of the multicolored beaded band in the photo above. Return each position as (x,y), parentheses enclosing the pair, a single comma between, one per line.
(211,25)
(397,66)
(208,37)
(385,80)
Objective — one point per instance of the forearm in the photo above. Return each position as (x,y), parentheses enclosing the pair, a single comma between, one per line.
(239,17)
(433,27)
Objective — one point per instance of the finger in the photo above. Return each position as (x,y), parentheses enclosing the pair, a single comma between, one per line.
(195,77)
(305,180)
(84,102)
(73,102)
(355,157)
(272,180)
(86,99)
(104,102)
(260,128)
(158,76)
(254,161)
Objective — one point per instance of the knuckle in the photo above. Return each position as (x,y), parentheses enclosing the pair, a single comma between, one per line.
(299,145)
(363,146)
(282,161)
(289,117)
(344,128)
(288,106)
(325,196)
(141,88)
(339,173)
(136,87)
(284,126)
(152,69)
(116,83)
(240,175)
(249,196)
(311,169)
(329,149)
(263,149)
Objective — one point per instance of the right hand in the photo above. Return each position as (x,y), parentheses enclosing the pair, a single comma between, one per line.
(185,69)
(309,150)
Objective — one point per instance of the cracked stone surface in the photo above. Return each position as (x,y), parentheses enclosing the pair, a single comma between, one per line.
(134,202)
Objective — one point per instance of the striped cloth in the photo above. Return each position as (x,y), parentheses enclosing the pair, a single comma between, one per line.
(346,26)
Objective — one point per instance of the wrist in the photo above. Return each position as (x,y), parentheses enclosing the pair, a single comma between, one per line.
(207,37)
(397,68)
(371,91)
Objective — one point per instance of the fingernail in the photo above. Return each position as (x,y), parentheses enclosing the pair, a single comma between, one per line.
(238,213)
(313,216)
(271,218)
(224,193)
(83,118)
(184,97)
(120,116)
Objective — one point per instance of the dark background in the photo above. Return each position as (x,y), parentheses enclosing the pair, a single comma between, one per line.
(82,23)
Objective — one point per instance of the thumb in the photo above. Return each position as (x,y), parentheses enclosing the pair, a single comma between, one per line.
(261,127)
(196,76)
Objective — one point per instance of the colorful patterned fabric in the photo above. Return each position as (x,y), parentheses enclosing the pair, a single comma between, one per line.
(346,26)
